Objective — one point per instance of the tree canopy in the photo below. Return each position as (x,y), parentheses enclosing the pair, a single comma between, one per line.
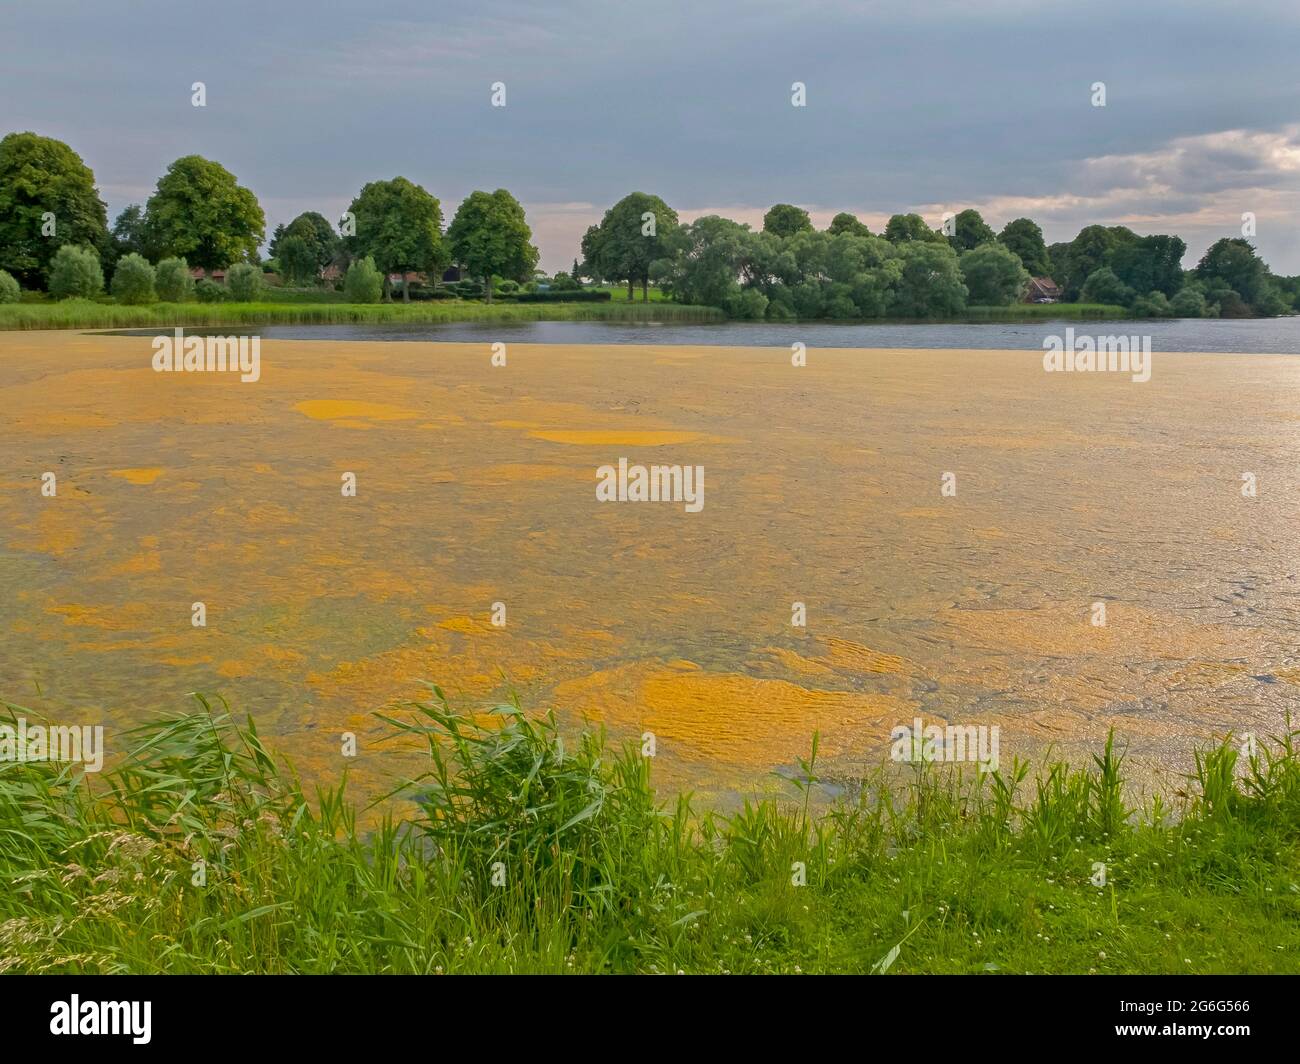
(1025,239)
(199,212)
(490,237)
(633,234)
(785,219)
(399,225)
(43,181)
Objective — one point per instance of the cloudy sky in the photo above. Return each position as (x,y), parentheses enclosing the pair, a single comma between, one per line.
(911,106)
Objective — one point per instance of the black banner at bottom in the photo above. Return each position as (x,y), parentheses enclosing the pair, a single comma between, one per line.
(227,1014)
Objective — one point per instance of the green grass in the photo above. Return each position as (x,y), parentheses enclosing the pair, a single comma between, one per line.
(84,314)
(1019,311)
(532,849)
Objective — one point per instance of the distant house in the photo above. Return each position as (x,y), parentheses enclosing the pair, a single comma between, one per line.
(331,273)
(217,275)
(452,274)
(1042,290)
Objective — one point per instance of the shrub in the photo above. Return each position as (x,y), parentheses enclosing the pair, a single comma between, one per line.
(75,271)
(363,283)
(1103,286)
(9,290)
(209,291)
(173,282)
(1188,303)
(507,288)
(244,282)
(1152,305)
(585,295)
(133,280)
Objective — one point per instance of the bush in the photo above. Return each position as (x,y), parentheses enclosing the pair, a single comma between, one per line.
(173,282)
(585,295)
(507,288)
(244,282)
(133,280)
(1188,303)
(9,290)
(1152,305)
(75,271)
(1103,286)
(210,292)
(363,283)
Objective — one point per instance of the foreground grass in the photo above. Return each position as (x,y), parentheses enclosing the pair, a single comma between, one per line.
(533,852)
(85,314)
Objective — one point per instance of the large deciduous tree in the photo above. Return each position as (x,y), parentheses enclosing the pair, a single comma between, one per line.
(632,236)
(47,198)
(993,275)
(199,212)
(785,220)
(399,225)
(1023,236)
(969,231)
(490,237)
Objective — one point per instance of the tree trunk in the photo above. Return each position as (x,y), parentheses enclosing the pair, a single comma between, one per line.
(631,292)
(388,289)
(645,289)
(406,287)
(487,289)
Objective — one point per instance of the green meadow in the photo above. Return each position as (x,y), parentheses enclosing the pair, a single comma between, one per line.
(88,314)
(527,848)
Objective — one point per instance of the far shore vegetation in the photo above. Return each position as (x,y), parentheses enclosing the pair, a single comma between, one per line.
(191,254)
(525,847)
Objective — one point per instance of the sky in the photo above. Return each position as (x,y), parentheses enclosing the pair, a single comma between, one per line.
(910,106)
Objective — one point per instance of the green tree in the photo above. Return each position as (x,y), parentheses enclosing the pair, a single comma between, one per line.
(316,232)
(902,228)
(75,272)
(993,275)
(1188,303)
(930,284)
(845,223)
(128,231)
(363,283)
(634,234)
(785,219)
(1089,252)
(969,231)
(1023,237)
(399,225)
(244,282)
(705,260)
(490,237)
(10,291)
(297,260)
(173,282)
(200,212)
(1102,286)
(47,199)
(1150,263)
(133,280)
(1232,262)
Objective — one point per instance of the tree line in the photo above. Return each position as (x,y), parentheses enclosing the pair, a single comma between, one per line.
(54,234)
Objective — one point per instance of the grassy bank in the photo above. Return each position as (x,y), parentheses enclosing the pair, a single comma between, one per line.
(529,854)
(1022,311)
(84,314)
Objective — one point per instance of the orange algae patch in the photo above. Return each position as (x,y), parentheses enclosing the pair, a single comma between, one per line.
(467,625)
(731,717)
(854,657)
(351,409)
(137,476)
(615,437)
